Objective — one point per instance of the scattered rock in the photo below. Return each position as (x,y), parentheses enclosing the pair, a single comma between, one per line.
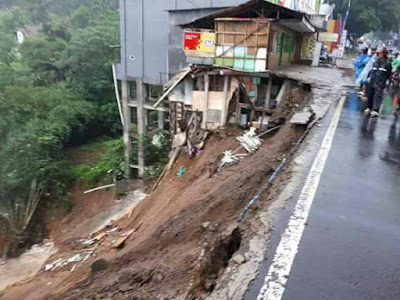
(301,118)
(206,225)
(239,259)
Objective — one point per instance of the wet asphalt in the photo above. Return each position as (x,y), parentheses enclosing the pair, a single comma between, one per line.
(350,248)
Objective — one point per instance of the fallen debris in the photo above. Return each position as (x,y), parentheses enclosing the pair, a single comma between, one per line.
(229,158)
(247,141)
(250,141)
(115,229)
(239,259)
(99,188)
(301,118)
(100,236)
(181,171)
(62,262)
(121,241)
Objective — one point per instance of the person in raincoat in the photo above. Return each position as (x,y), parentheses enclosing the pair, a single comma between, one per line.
(378,77)
(362,80)
(360,62)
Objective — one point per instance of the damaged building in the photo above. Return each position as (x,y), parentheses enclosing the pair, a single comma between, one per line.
(232,56)
(221,69)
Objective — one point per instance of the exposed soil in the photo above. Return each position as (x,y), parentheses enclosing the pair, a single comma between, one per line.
(186,230)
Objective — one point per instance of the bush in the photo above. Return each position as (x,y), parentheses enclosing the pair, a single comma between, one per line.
(110,165)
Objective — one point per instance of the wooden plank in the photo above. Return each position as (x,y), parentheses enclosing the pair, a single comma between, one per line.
(99,188)
(243,40)
(117,94)
(238,108)
(184,74)
(121,241)
(100,236)
(256,108)
(149,106)
(268,94)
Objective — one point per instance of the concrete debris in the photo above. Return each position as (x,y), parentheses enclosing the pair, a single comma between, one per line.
(206,225)
(250,141)
(179,139)
(239,259)
(301,118)
(229,158)
(62,262)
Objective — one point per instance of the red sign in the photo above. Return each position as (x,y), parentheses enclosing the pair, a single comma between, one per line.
(192,40)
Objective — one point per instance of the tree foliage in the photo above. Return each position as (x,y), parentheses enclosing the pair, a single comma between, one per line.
(370,15)
(55,89)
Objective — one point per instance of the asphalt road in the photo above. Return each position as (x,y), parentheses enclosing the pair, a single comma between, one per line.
(350,248)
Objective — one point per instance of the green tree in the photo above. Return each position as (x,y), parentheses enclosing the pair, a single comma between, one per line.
(55,88)
(370,15)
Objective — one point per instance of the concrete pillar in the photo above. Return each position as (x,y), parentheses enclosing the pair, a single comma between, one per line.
(140,98)
(206,95)
(268,94)
(126,126)
(224,111)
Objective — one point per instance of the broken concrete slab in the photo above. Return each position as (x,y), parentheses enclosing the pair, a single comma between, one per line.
(239,259)
(301,118)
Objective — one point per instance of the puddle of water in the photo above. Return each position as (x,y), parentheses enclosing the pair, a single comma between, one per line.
(26,265)
(119,209)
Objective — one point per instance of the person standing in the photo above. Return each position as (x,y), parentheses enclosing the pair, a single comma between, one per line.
(360,62)
(379,75)
(362,80)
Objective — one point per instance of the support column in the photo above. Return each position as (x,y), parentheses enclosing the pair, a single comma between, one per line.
(126,126)
(224,111)
(283,91)
(268,94)
(140,98)
(206,93)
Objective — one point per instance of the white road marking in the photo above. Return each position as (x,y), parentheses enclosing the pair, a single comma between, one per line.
(278,273)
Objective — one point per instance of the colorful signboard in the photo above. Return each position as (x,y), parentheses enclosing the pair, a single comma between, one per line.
(307,48)
(199,41)
(328,37)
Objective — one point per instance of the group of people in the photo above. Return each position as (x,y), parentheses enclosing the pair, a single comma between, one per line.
(374,72)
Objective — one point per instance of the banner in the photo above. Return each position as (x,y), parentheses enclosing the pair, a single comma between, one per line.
(307,48)
(199,41)
(328,37)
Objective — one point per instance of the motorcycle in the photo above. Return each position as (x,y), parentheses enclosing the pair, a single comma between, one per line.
(326,59)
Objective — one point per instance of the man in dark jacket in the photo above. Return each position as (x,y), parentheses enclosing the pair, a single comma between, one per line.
(381,71)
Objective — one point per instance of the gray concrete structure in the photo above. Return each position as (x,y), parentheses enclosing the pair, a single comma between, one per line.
(147,31)
(151,51)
